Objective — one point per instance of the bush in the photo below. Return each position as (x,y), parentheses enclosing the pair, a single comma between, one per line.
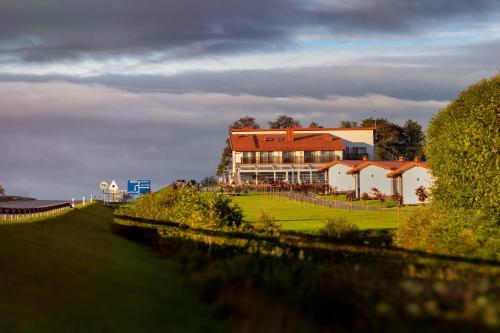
(265,223)
(339,228)
(462,149)
(187,206)
(455,232)
(390,203)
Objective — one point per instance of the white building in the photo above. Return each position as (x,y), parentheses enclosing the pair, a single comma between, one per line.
(336,173)
(373,174)
(410,177)
(295,154)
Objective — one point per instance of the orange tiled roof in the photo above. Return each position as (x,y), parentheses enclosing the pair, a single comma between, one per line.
(284,142)
(303,129)
(389,165)
(349,163)
(407,166)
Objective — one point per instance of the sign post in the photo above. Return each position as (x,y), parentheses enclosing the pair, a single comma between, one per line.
(138,187)
(103,186)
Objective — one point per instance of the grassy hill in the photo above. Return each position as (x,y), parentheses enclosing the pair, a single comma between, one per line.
(71,274)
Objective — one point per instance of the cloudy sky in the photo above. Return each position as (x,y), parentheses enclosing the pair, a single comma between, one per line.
(127,89)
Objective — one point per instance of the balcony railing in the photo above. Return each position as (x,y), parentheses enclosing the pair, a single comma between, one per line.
(288,160)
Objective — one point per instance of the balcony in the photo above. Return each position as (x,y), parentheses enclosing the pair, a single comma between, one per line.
(288,160)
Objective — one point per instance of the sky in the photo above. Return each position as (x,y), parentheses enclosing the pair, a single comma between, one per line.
(145,89)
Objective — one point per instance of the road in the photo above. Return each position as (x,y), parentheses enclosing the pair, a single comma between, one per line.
(32,204)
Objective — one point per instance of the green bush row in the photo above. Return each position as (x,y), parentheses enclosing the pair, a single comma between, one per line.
(187,206)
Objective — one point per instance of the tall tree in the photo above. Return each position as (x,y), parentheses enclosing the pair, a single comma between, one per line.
(284,121)
(413,140)
(2,190)
(314,125)
(225,159)
(348,124)
(388,137)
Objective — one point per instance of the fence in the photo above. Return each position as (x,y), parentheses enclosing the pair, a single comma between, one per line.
(311,198)
(31,210)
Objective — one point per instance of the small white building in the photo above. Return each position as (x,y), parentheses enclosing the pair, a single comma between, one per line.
(410,177)
(336,173)
(373,174)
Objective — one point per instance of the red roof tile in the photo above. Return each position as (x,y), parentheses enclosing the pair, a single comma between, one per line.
(282,142)
(389,165)
(349,163)
(302,129)
(407,166)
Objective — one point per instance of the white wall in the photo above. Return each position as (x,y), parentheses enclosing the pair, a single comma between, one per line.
(338,178)
(375,176)
(413,179)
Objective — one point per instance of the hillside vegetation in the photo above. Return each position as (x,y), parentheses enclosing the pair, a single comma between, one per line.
(462,148)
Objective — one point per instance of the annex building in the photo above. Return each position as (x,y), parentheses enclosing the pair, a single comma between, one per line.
(293,155)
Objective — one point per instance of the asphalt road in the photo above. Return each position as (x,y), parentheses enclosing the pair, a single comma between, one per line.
(32,204)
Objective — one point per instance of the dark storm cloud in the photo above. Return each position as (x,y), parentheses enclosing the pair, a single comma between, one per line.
(51,30)
(59,139)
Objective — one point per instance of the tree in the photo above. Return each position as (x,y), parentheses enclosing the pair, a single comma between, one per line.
(462,150)
(225,159)
(412,140)
(245,121)
(284,121)
(387,138)
(209,181)
(2,190)
(314,125)
(348,124)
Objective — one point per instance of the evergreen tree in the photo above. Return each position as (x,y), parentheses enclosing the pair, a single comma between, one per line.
(412,140)
(388,137)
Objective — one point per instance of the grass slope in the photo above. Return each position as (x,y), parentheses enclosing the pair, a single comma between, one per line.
(295,216)
(71,274)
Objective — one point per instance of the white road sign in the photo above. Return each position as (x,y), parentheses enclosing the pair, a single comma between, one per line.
(113,187)
(103,185)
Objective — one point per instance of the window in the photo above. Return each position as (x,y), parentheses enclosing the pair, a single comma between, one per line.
(248,158)
(308,156)
(288,157)
(269,139)
(266,157)
(354,153)
(281,139)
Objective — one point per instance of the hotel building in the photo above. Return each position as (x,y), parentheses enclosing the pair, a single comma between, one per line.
(293,155)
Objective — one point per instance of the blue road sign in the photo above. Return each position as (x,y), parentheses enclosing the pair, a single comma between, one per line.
(138,186)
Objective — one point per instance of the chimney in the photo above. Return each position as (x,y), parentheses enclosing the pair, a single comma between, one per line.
(417,159)
(402,159)
(289,134)
(365,158)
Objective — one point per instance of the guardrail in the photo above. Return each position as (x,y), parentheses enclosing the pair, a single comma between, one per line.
(31,209)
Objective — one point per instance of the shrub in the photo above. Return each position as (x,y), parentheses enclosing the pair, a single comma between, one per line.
(265,223)
(462,149)
(339,228)
(461,232)
(187,206)
(422,194)
(390,203)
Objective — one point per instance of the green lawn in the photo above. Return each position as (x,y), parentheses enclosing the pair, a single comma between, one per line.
(71,274)
(295,216)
